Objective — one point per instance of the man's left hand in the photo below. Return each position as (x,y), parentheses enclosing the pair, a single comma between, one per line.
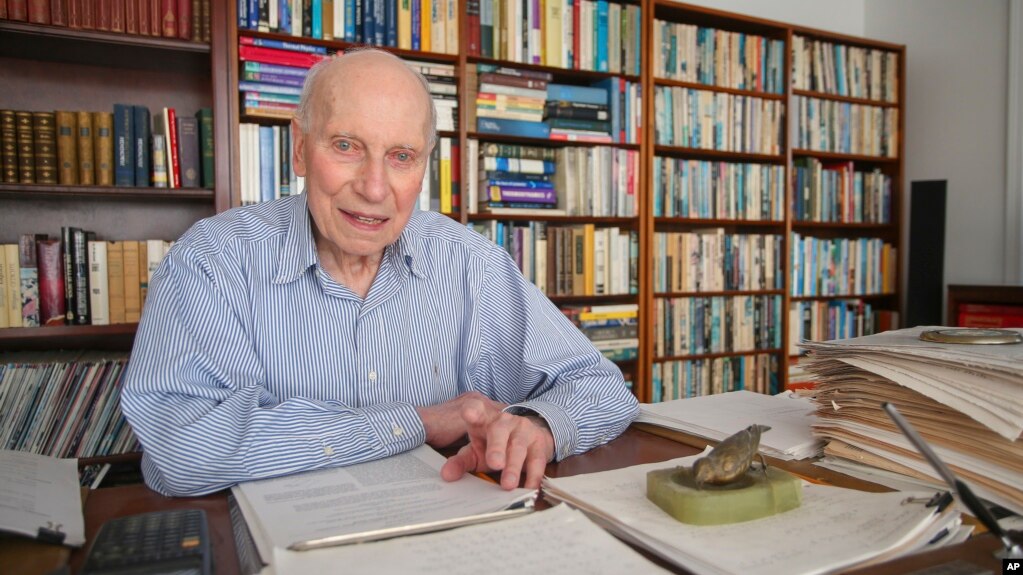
(499,441)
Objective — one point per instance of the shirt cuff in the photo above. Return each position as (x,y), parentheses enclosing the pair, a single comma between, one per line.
(563,429)
(397,425)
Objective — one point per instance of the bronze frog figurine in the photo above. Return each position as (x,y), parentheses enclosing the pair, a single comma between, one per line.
(730,460)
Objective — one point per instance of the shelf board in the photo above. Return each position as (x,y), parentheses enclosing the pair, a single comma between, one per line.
(33,191)
(843,225)
(718,222)
(771,351)
(335,45)
(718,293)
(849,99)
(602,220)
(546,142)
(106,337)
(593,299)
(94,47)
(590,75)
(680,151)
(836,156)
(721,89)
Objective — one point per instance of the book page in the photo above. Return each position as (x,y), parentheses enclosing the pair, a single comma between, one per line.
(40,491)
(833,528)
(557,540)
(401,490)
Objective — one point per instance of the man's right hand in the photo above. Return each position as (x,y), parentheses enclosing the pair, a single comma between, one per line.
(444,423)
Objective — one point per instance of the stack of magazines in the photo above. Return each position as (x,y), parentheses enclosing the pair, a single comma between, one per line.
(965,399)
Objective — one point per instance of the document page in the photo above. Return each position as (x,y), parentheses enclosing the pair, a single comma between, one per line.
(40,491)
(834,528)
(557,540)
(396,491)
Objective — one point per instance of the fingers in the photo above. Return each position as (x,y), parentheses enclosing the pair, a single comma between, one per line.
(459,464)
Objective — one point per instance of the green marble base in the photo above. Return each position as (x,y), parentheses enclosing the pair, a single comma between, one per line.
(754,496)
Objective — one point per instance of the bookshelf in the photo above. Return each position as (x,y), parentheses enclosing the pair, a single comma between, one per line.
(761,220)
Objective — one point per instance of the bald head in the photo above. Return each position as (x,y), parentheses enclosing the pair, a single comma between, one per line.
(360,65)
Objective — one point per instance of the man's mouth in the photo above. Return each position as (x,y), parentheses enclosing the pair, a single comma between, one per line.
(368,220)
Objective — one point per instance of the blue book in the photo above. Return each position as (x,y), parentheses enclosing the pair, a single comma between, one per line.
(124,149)
(516,183)
(509,194)
(278,79)
(349,31)
(284,17)
(369,20)
(602,39)
(141,132)
(317,19)
(380,17)
(417,24)
(284,45)
(253,15)
(243,14)
(570,93)
(391,22)
(266,163)
(487,29)
(261,67)
(246,86)
(358,22)
(613,89)
(506,127)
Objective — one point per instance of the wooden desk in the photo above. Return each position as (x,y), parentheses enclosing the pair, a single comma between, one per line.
(635,446)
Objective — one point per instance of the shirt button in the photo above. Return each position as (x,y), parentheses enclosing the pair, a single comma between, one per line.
(372,376)
(328,450)
(397,430)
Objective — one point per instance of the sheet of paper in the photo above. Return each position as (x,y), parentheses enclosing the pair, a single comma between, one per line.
(832,529)
(556,540)
(720,415)
(40,491)
(401,490)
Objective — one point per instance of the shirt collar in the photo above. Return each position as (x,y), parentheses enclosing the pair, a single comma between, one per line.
(298,253)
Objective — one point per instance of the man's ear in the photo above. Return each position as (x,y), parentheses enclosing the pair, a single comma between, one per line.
(298,148)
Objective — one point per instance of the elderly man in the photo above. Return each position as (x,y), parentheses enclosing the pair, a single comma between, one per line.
(342,325)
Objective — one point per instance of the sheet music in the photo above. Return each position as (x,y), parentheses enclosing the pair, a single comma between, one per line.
(557,540)
(834,528)
(40,491)
(400,490)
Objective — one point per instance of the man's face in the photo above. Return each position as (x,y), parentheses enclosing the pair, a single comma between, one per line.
(365,154)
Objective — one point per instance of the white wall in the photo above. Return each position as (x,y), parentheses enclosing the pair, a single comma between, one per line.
(956,109)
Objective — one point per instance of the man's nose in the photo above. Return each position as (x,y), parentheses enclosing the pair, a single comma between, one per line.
(374,179)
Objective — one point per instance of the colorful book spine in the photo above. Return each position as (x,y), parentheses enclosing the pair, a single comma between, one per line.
(124,149)
(522,194)
(49,255)
(142,149)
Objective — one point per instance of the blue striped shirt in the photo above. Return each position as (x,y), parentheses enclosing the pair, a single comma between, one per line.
(251,361)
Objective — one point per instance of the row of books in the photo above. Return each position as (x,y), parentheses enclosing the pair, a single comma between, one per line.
(681,379)
(686,188)
(700,55)
(272,74)
(75,280)
(612,328)
(838,192)
(576,34)
(442,183)
(123,148)
(64,404)
(832,126)
(184,19)
(426,25)
(841,266)
(712,260)
(513,179)
(844,70)
(571,259)
(836,319)
(718,121)
(717,324)
(265,154)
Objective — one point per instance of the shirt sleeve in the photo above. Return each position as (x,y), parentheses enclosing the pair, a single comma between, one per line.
(194,393)
(534,358)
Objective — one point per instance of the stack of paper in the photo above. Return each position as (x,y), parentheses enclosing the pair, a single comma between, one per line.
(965,400)
(393,496)
(833,529)
(718,416)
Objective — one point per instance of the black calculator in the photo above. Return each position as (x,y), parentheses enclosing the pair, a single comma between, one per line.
(163,542)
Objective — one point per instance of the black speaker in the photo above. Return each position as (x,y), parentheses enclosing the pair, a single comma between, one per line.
(926,280)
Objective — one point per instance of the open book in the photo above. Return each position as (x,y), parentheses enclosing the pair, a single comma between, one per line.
(40,498)
(395,496)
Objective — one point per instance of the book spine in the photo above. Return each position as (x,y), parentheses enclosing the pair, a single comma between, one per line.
(85,152)
(142,150)
(131,16)
(188,151)
(102,15)
(115,282)
(4,322)
(103,152)
(173,160)
(59,12)
(67,148)
(521,194)
(206,149)
(9,146)
(124,148)
(17,10)
(12,279)
(39,11)
(159,161)
(117,16)
(67,261)
(28,269)
(282,45)
(512,127)
(278,79)
(132,295)
(169,18)
(99,301)
(51,282)
(80,269)
(142,14)
(26,148)
(281,57)
(44,136)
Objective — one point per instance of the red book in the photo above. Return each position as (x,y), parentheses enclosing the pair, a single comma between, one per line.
(117,15)
(169,18)
(39,11)
(155,22)
(102,12)
(576,11)
(282,57)
(173,162)
(58,12)
(51,282)
(3,9)
(131,16)
(143,16)
(87,14)
(185,19)
(17,10)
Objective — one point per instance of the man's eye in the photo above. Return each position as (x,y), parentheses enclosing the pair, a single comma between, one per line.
(403,157)
(344,146)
